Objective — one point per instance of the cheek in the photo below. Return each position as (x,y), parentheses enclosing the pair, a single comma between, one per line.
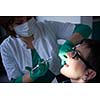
(68,72)
(74,70)
(75,64)
(80,67)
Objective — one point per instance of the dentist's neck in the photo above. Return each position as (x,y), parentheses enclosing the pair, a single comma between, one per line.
(28,41)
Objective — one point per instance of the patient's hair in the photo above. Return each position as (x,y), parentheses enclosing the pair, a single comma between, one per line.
(94,56)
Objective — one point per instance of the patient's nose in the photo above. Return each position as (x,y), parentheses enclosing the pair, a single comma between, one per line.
(69,54)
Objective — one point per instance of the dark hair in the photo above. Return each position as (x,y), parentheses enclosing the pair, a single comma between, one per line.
(10,22)
(94,55)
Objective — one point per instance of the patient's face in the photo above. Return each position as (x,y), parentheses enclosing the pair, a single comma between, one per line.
(75,67)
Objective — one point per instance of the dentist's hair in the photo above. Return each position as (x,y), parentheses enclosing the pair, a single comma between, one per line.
(9,24)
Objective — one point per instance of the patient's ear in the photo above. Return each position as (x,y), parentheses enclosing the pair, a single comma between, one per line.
(89,74)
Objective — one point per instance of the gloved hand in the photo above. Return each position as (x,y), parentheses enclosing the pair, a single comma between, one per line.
(66,47)
(39,70)
(84,30)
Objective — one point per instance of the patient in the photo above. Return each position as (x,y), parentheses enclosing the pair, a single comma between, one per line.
(83,62)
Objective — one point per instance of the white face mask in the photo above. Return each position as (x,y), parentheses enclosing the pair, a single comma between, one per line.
(25,29)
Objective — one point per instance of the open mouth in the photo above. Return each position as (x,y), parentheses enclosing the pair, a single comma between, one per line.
(66,65)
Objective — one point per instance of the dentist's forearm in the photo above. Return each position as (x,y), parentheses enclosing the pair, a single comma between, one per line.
(76,38)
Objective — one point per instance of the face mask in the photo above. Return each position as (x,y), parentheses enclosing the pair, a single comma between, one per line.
(26,29)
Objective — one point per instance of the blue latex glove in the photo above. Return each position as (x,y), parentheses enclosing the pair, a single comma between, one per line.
(66,47)
(39,70)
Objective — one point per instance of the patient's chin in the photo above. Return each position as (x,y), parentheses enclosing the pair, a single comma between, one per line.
(62,71)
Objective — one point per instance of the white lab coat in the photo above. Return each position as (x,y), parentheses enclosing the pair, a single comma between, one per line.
(16,56)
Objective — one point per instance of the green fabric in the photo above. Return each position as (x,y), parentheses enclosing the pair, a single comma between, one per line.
(84,30)
(66,47)
(35,57)
(47,78)
(39,71)
(18,80)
